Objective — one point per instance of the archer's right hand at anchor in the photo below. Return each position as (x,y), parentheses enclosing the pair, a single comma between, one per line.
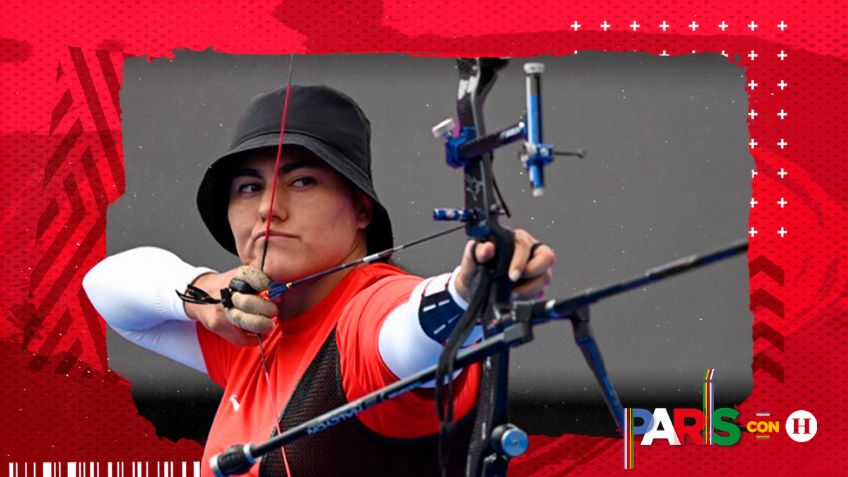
(240,314)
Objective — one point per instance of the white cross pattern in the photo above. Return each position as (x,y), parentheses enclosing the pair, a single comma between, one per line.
(635,26)
(782,202)
(694,26)
(724,53)
(664,25)
(782,25)
(782,114)
(752,84)
(575,26)
(753,202)
(605,26)
(782,55)
(753,55)
(664,53)
(782,85)
(754,173)
(753,114)
(723,25)
(782,143)
(753,143)
(753,26)
(782,173)
(752,232)
(782,232)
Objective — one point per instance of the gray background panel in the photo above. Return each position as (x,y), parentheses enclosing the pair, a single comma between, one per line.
(668,174)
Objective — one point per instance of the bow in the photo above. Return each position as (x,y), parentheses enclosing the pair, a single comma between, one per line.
(469,147)
(491,296)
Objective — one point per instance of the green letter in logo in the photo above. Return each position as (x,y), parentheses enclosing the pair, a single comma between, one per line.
(725,425)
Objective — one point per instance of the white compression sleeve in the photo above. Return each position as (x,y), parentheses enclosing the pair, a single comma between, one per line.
(134,291)
(409,339)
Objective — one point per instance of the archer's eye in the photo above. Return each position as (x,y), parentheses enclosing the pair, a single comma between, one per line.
(302,181)
(247,188)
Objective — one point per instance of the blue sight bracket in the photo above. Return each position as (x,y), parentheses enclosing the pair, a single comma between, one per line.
(463,144)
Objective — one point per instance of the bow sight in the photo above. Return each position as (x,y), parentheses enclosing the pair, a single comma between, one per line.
(506,323)
(462,145)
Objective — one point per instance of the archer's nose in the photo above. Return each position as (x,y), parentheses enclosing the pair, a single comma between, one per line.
(273,205)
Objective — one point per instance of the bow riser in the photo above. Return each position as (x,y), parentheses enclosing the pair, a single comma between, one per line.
(477,76)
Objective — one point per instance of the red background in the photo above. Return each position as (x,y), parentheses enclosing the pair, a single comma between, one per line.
(61,71)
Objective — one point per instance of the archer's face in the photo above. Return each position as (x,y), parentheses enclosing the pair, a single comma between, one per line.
(317,221)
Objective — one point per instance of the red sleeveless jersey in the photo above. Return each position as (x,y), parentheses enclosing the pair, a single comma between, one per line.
(355,308)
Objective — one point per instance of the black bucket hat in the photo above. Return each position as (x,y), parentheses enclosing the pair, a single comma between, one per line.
(320,119)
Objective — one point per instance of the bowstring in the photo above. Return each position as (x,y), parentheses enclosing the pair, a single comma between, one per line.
(277,161)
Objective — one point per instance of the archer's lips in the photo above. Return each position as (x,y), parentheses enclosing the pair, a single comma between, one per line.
(273,234)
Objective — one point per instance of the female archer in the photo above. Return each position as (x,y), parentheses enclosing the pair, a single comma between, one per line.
(324,342)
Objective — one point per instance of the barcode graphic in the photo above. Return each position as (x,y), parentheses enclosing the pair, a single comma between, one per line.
(104,469)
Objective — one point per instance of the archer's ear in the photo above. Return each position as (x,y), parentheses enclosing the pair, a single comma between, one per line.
(364,210)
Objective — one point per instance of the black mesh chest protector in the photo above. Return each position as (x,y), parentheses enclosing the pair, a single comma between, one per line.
(349,448)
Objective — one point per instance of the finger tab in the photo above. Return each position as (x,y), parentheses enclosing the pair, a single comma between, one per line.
(253,276)
(249,322)
(242,286)
(254,304)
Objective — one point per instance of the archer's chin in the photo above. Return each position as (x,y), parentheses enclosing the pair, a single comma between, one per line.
(284,268)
